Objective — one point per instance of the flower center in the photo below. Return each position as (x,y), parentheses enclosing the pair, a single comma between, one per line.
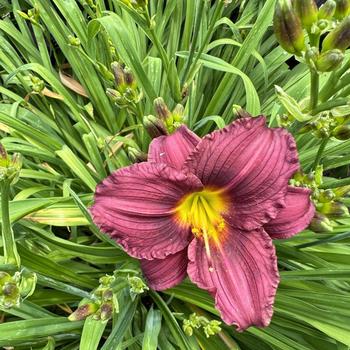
(202,211)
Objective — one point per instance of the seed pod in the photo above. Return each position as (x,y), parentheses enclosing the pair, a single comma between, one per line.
(154,126)
(288,28)
(342,132)
(329,60)
(342,9)
(327,10)
(320,223)
(307,12)
(339,37)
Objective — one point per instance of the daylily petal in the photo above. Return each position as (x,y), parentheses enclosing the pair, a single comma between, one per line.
(241,273)
(166,273)
(252,163)
(135,206)
(173,149)
(295,217)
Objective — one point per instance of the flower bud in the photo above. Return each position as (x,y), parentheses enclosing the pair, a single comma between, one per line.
(118,73)
(106,311)
(161,108)
(342,9)
(307,12)
(326,11)
(239,112)
(212,328)
(326,196)
(320,223)
(341,191)
(329,60)
(342,132)
(154,126)
(73,41)
(187,328)
(136,156)
(83,312)
(333,209)
(288,28)
(339,37)
(178,113)
(137,286)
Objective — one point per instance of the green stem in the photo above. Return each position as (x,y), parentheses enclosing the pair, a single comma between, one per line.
(314,89)
(10,251)
(329,105)
(154,38)
(320,152)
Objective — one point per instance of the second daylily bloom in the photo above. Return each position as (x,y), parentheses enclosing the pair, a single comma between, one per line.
(210,208)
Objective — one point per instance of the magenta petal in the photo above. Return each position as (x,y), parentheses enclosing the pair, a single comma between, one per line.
(295,217)
(173,149)
(135,206)
(253,162)
(166,273)
(241,274)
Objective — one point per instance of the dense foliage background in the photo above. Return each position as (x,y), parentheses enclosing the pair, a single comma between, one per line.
(55,62)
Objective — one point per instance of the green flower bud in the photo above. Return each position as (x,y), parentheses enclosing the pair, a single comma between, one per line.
(186,326)
(116,97)
(326,196)
(320,223)
(307,12)
(10,166)
(73,41)
(83,312)
(212,328)
(137,286)
(342,9)
(154,126)
(136,156)
(342,132)
(333,209)
(118,72)
(288,28)
(178,113)
(329,60)
(341,191)
(327,10)
(106,311)
(339,37)
(161,108)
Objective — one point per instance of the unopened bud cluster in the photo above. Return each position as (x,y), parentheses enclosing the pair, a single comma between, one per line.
(328,202)
(139,5)
(165,121)
(326,124)
(32,15)
(10,166)
(38,85)
(299,24)
(104,299)
(195,322)
(13,289)
(126,92)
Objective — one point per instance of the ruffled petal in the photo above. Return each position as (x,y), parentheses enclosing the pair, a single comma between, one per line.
(173,149)
(166,273)
(135,206)
(241,273)
(295,217)
(253,163)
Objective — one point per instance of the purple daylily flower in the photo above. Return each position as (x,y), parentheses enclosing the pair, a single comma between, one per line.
(209,208)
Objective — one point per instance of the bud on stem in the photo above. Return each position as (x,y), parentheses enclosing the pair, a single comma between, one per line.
(329,60)
(307,12)
(327,10)
(339,37)
(288,28)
